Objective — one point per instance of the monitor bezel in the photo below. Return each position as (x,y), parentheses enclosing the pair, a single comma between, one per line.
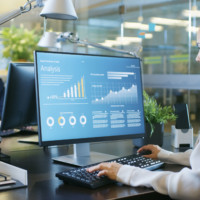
(82,140)
(9,83)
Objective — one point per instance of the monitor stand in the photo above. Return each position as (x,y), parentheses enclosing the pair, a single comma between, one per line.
(83,156)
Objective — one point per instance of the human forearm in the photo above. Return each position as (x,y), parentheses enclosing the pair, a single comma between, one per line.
(182,158)
(181,185)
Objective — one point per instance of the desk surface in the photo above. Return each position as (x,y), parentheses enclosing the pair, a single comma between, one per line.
(42,183)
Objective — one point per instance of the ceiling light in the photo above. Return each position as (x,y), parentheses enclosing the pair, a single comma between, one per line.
(121,41)
(132,39)
(137,25)
(148,36)
(192,13)
(169,22)
(192,29)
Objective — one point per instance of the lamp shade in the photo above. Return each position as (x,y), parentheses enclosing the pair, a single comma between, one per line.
(49,40)
(59,9)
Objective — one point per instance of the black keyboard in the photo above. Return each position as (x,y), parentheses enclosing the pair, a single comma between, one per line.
(80,176)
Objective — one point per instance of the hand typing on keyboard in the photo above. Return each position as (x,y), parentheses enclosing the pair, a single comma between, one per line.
(97,175)
(109,169)
(149,151)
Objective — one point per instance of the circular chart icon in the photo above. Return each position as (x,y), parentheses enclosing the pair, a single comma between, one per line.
(83,119)
(61,121)
(50,121)
(72,120)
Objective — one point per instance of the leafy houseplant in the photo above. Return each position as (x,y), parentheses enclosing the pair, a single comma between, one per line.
(155,113)
(19,43)
(155,116)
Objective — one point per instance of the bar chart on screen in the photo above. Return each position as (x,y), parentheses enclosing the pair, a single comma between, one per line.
(76,90)
(72,89)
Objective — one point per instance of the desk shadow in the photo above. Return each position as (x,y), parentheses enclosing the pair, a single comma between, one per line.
(56,189)
(111,191)
(77,192)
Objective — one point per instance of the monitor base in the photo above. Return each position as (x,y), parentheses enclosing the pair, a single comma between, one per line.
(94,157)
(83,156)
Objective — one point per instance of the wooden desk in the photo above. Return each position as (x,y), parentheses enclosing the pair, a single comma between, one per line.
(42,183)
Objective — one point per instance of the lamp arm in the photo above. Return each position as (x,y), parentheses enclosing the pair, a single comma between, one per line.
(85,42)
(70,37)
(11,15)
(22,9)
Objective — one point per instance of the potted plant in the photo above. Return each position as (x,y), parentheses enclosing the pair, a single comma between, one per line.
(19,43)
(155,117)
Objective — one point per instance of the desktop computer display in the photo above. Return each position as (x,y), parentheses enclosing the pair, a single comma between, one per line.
(88,98)
(19,106)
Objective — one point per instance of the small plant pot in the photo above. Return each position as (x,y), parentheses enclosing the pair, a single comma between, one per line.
(155,138)
(157,135)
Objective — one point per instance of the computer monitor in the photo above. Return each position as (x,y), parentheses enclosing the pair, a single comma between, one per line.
(19,106)
(87,98)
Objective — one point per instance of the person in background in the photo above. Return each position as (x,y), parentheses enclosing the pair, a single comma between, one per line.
(184,185)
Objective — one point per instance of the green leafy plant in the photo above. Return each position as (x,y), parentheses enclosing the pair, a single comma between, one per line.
(19,43)
(155,113)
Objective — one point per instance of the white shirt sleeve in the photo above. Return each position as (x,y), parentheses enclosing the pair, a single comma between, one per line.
(182,158)
(184,185)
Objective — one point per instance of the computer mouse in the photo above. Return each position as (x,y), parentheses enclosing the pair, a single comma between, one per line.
(145,152)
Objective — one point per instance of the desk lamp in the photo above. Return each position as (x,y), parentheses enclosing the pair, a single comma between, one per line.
(49,40)
(68,36)
(23,9)
(59,9)
(45,41)
(54,9)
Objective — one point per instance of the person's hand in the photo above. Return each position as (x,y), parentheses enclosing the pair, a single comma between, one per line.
(154,149)
(198,57)
(106,169)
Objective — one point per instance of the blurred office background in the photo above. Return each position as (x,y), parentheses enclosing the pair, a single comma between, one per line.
(165,29)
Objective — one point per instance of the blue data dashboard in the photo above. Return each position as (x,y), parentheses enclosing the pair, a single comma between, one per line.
(88,96)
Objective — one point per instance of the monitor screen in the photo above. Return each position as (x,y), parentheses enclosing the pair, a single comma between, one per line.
(19,106)
(88,98)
